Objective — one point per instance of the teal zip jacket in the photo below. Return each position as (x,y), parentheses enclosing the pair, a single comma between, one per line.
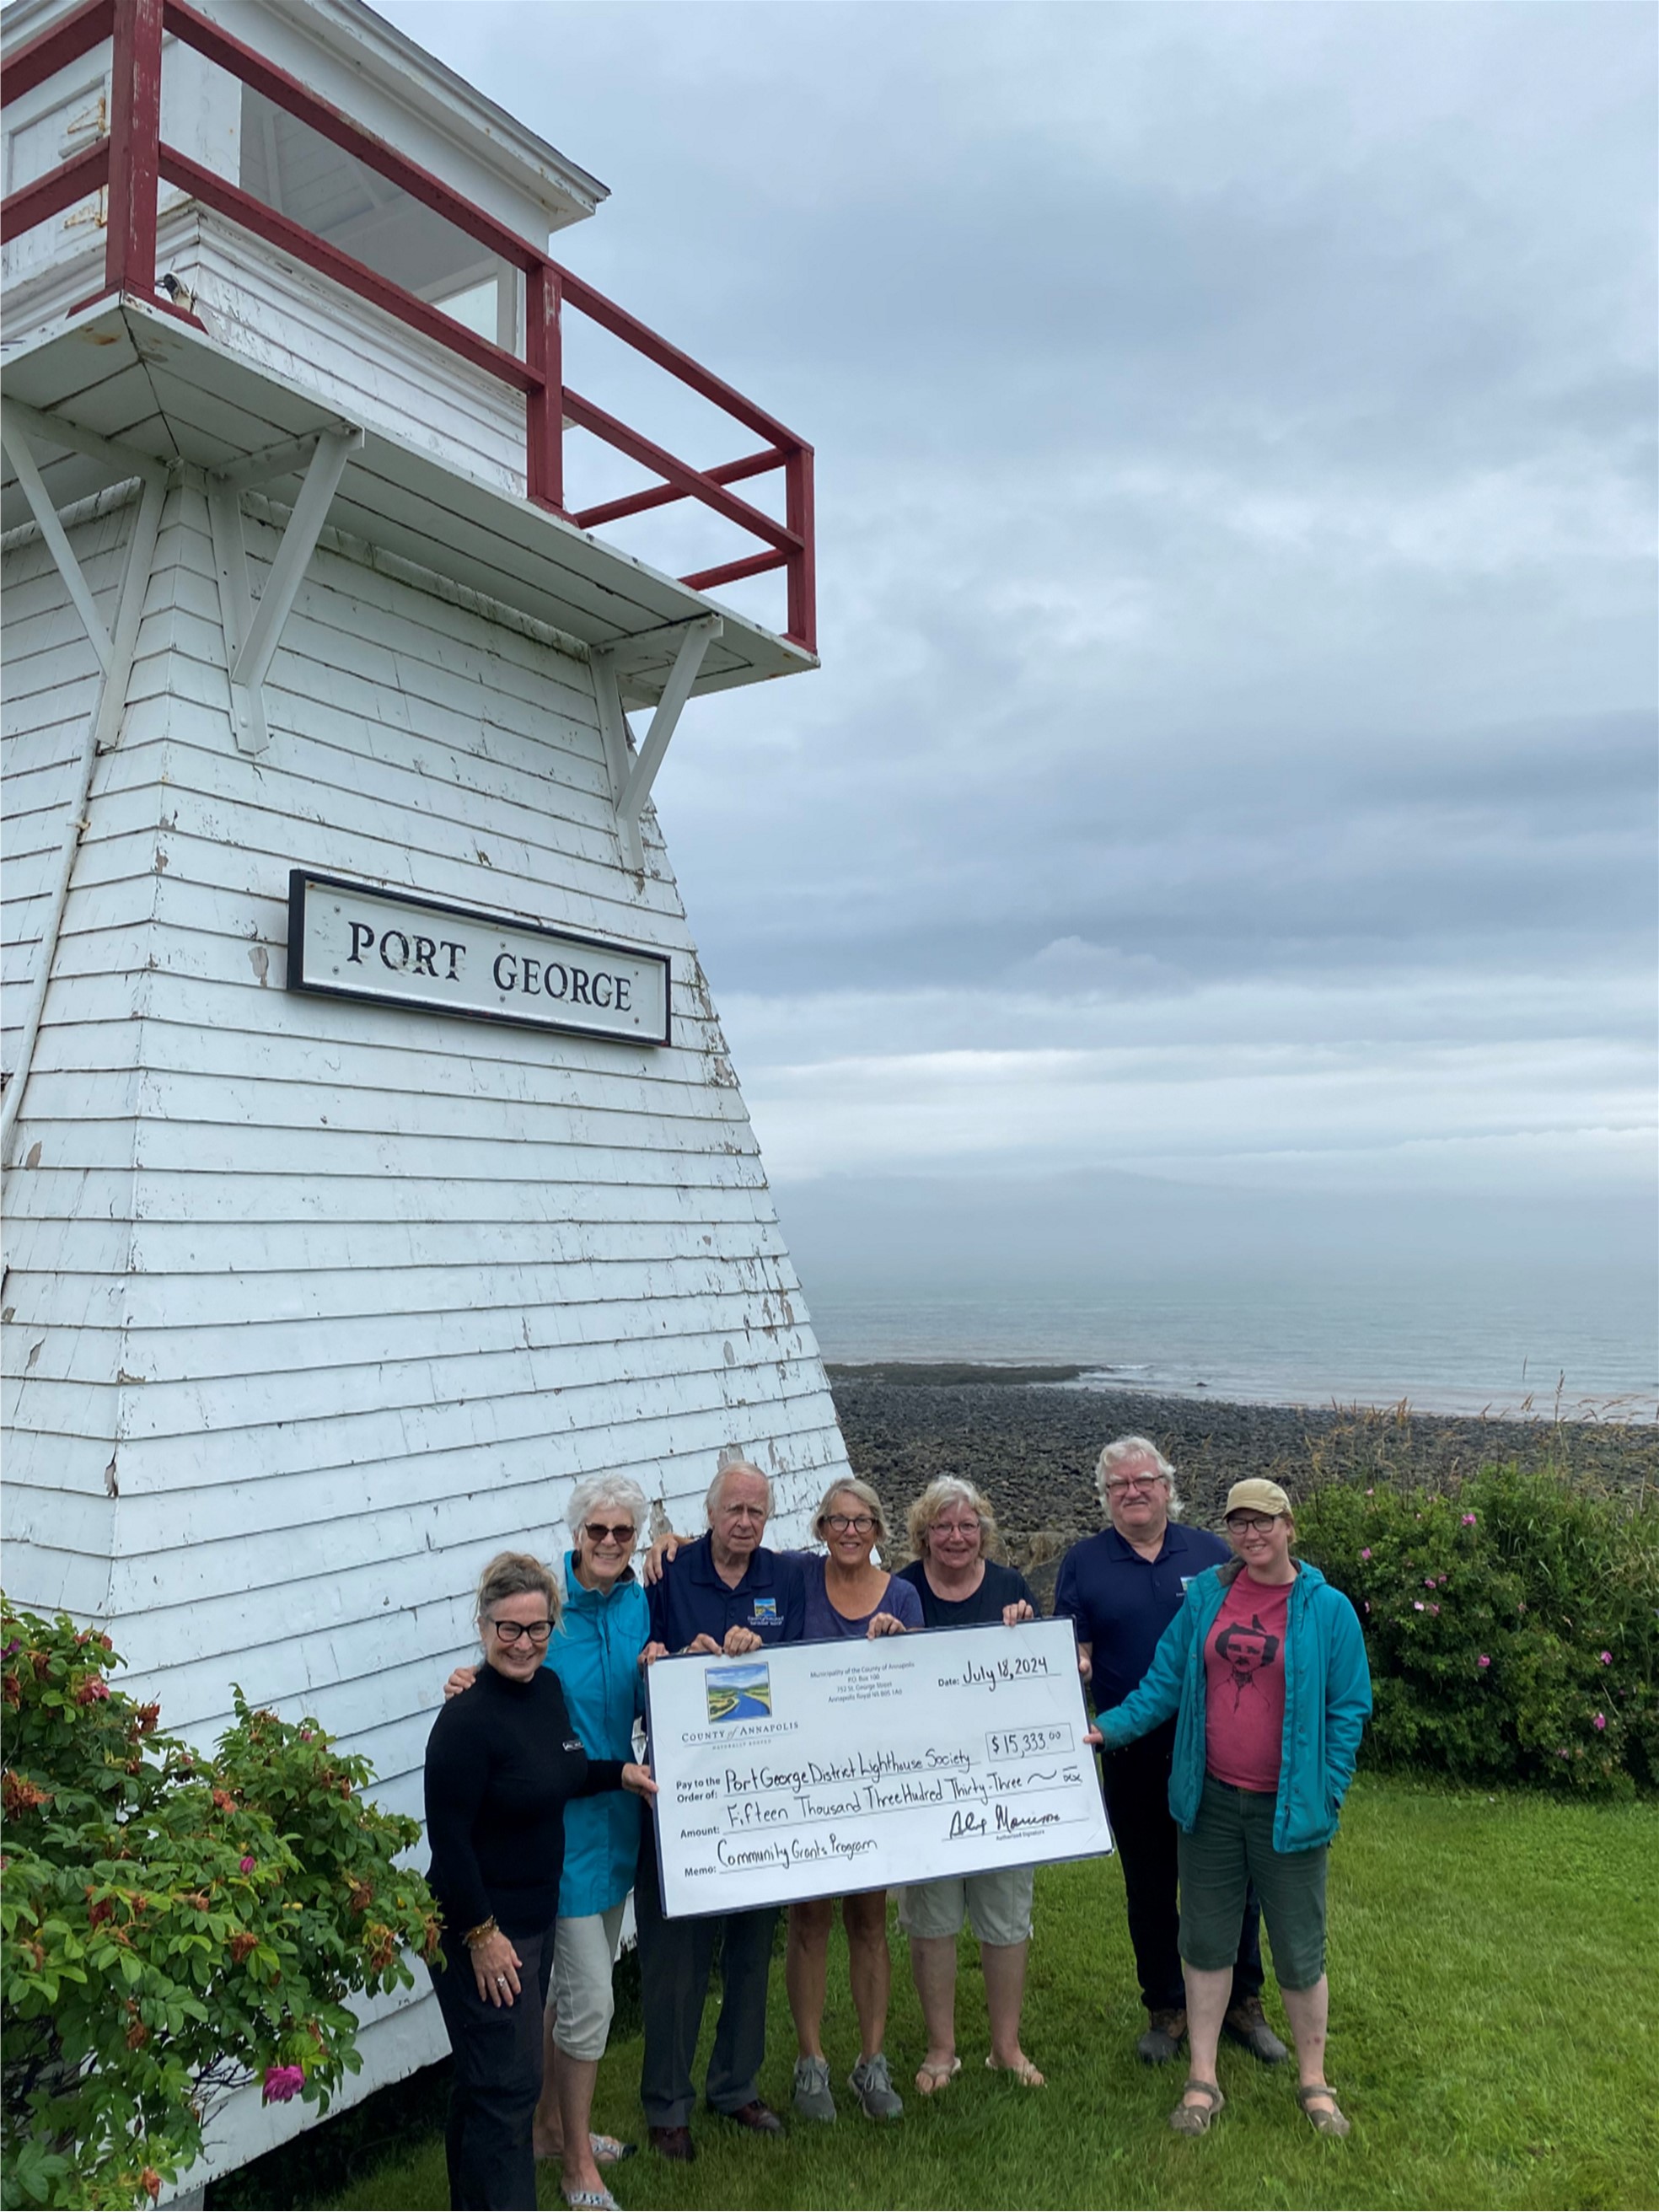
(596,1656)
(1328,1700)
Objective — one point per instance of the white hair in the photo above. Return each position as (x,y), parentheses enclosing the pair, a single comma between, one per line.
(1129,1451)
(711,1503)
(618,1490)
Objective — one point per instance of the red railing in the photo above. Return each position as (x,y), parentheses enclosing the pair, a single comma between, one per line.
(132,161)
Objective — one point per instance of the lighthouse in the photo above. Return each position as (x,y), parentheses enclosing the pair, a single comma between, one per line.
(374,1165)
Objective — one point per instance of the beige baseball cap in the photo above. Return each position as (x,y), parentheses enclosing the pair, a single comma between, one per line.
(1257,1496)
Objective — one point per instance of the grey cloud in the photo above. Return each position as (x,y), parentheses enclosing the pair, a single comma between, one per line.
(1238,487)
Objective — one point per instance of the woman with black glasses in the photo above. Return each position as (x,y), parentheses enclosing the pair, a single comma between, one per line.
(502,1764)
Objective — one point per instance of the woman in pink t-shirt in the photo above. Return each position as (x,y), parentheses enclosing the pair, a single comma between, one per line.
(1264,1667)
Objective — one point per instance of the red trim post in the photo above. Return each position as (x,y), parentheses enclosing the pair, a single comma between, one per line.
(134,139)
(543,411)
(803,616)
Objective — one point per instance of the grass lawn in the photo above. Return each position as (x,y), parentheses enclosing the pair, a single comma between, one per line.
(1495,2039)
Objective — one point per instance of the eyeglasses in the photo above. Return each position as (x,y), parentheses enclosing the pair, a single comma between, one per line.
(1238,1522)
(856,1524)
(1133,1482)
(510,1631)
(619,1532)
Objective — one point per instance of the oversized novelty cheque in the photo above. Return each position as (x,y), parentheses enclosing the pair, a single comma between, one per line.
(809,1770)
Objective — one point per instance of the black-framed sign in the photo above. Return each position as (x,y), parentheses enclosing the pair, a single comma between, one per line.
(349,940)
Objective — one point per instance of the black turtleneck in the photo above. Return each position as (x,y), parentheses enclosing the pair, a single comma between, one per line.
(501,1762)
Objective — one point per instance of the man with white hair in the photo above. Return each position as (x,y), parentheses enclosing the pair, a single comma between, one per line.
(1121,1589)
(725,1593)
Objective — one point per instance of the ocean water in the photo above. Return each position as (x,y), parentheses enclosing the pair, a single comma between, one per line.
(1579,1338)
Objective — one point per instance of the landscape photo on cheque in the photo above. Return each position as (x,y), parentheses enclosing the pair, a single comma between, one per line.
(739,1693)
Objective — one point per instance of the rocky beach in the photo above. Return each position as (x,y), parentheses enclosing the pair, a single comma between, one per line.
(1030,1439)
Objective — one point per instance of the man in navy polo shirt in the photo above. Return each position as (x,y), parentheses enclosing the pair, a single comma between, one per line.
(1121,1589)
(725,1593)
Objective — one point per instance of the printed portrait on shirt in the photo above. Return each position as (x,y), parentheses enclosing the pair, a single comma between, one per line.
(1247,1649)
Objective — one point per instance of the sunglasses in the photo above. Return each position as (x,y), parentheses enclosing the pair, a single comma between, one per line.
(618,1532)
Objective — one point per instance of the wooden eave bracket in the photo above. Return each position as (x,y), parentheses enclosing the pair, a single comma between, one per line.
(253,632)
(632,772)
(22,428)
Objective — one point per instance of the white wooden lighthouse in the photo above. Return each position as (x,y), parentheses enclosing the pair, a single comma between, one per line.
(373,1164)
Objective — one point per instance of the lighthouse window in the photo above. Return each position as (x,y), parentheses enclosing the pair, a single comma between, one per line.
(300,174)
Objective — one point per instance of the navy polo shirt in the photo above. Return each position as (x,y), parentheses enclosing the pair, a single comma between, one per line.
(1121,1604)
(691,1600)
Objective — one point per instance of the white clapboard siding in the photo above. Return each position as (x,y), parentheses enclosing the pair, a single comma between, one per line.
(311,1306)
(315,1303)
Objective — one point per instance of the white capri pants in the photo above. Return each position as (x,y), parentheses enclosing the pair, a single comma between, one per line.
(580,1997)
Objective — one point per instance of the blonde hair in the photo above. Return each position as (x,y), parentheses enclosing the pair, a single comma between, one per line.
(516,1574)
(946,1490)
(851,1485)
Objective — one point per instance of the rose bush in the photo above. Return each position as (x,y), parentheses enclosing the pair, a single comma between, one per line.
(1512,1624)
(174,1925)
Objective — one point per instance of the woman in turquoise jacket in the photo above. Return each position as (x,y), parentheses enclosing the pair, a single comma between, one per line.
(603,1626)
(1264,1668)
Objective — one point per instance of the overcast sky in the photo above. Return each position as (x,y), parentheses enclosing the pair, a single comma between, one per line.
(1233,759)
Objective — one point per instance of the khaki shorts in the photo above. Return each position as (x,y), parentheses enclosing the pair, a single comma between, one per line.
(999,1904)
(579,1997)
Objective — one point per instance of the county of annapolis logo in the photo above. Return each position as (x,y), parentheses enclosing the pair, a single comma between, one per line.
(739,1693)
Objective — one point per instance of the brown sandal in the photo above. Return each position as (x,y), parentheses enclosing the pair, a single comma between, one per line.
(1332,2123)
(1194,2119)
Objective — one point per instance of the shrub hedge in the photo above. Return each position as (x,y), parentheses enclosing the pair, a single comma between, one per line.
(1512,1623)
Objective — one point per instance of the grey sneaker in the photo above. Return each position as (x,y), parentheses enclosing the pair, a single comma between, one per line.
(813,2097)
(1162,2039)
(1246,2024)
(873,2085)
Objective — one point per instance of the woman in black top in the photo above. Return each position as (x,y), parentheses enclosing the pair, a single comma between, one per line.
(950,1528)
(501,1762)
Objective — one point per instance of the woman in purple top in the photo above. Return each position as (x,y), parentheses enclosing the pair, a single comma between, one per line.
(848,1593)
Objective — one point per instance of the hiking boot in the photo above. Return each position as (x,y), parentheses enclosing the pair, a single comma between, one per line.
(813,2098)
(873,2085)
(1165,2032)
(1246,2024)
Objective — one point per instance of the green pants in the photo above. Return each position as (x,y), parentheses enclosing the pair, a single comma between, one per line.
(1231,1846)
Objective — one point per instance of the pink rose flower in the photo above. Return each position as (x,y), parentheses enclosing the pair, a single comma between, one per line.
(1469,1519)
(1366,1553)
(1601,1721)
(246,1866)
(283,2083)
(1428,1581)
(1483,1660)
(1417,1604)
(1606,1658)
(1434,1608)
